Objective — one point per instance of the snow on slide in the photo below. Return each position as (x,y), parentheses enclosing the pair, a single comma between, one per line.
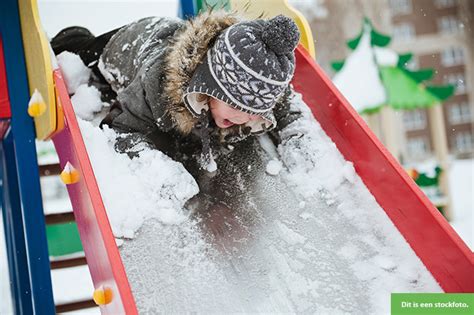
(287,229)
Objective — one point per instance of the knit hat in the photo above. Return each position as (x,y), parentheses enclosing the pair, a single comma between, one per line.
(249,67)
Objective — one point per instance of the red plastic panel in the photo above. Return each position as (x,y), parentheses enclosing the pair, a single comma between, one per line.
(5,111)
(435,242)
(102,255)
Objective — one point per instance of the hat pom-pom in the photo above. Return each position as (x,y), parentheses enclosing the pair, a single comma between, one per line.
(281,35)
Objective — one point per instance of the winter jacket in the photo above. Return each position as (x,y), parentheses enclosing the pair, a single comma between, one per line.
(148,64)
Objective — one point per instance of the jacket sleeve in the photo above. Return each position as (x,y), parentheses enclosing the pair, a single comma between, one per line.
(136,134)
(284,115)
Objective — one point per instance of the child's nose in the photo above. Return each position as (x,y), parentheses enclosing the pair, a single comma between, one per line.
(254,117)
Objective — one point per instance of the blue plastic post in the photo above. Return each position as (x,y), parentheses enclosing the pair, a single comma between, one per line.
(23,154)
(13,229)
(187,9)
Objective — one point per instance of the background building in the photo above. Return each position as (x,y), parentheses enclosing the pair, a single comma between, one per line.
(440,35)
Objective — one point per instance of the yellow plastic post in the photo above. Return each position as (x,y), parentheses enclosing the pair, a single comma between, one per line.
(253,9)
(39,67)
(69,175)
(102,296)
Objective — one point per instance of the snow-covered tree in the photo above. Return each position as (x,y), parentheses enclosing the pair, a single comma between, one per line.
(373,76)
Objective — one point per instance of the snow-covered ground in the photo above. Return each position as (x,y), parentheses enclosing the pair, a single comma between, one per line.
(461,184)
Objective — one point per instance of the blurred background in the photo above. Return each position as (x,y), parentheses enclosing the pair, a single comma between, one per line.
(438,34)
(413,83)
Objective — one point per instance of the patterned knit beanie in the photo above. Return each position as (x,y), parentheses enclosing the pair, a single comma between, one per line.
(249,67)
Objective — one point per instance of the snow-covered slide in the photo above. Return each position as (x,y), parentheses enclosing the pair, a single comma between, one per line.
(325,222)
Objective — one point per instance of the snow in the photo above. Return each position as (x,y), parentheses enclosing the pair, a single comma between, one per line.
(86,102)
(461,179)
(74,71)
(273,167)
(359,79)
(212,165)
(54,195)
(65,290)
(385,56)
(267,145)
(112,74)
(316,170)
(86,311)
(288,235)
(139,189)
(46,153)
(125,46)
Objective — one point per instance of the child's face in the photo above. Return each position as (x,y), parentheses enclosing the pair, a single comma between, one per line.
(226,116)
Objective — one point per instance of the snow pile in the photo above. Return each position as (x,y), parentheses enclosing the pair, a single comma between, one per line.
(359,79)
(86,102)
(74,71)
(136,190)
(85,99)
(310,157)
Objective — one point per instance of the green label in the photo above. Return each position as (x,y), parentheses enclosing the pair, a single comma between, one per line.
(432,303)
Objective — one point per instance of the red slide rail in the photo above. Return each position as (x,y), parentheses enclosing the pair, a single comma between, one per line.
(103,257)
(435,242)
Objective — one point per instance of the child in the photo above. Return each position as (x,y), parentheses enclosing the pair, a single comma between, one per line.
(191,88)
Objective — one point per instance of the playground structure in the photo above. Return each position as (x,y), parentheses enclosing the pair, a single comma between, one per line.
(437,245)
(404,89)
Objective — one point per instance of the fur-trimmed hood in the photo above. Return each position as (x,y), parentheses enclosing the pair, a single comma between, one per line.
(187,52)
(150,62)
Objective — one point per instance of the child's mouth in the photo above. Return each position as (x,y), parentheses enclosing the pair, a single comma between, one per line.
(227,123)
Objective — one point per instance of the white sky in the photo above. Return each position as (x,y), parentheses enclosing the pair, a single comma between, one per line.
(100,16)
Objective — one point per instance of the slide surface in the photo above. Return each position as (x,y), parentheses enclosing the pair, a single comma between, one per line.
(270,252)
(253,244)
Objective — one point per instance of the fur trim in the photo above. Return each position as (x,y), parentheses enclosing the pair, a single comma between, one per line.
(186,53)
